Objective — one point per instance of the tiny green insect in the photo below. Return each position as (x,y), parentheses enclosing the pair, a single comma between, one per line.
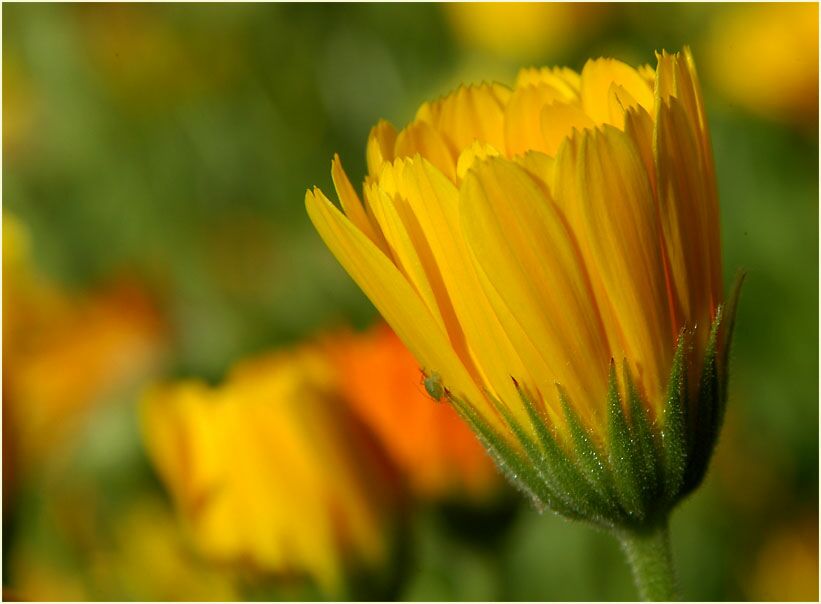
(433,385)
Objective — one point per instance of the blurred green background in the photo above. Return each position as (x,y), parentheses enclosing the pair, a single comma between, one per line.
(174,144)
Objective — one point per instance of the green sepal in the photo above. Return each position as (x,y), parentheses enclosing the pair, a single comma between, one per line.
(622,453)
(643,464)
(564,473)
(507,460)
(589,459)
(554,495)
(673,426)
(726,333)
(707,413)
(646,447)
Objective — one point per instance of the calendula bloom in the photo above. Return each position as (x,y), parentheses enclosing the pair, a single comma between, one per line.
(65,352)
(265,470)
(551,252)
(433,449)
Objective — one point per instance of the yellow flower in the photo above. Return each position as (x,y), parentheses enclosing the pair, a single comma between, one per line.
(519,239)
(137,554)
(778,45)
(265,471)
(522,30)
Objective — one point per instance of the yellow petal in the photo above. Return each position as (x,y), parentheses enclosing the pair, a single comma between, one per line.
(677,79)
(607,193)
(558,122)
(532,261)
(476,151)
(407,253)
(395,299)
(684,209)
(351,204)
(523,117)
(469,113)
(381,141)
(597,77)
(539,166)
(434,201)
(638,125)
(420,137)
(562,79)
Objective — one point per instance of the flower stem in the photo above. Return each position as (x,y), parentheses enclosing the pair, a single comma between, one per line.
(648,552)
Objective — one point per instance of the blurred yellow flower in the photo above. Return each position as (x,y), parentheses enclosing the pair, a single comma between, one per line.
(63,352)
(266,470)
(143,557)
(521,238)
(777,45)
(786,567)
(522,30)
(435,451)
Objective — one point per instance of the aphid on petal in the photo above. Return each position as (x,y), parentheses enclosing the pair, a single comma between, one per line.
(433,385)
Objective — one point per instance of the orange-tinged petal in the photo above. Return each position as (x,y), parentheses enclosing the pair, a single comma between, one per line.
(612,209)
(639,126)
(677,79)
(394,297)
(597,77)
(683,193)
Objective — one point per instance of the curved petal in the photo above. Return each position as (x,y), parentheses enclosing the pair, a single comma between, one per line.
(605,188)
(525,247)
(352,205)
(597,77)
(523,115)
(381,141)
(469,113)
(395,299)
(434,201)
(558,122)
(420,137)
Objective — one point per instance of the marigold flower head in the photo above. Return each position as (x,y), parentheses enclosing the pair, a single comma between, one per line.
(264,470)
(433,449)
(552,251)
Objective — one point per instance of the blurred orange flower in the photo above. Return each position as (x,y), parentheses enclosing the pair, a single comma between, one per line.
(63,353)
(435,451)
(267,471)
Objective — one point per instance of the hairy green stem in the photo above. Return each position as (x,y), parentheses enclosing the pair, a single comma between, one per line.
(651,560)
